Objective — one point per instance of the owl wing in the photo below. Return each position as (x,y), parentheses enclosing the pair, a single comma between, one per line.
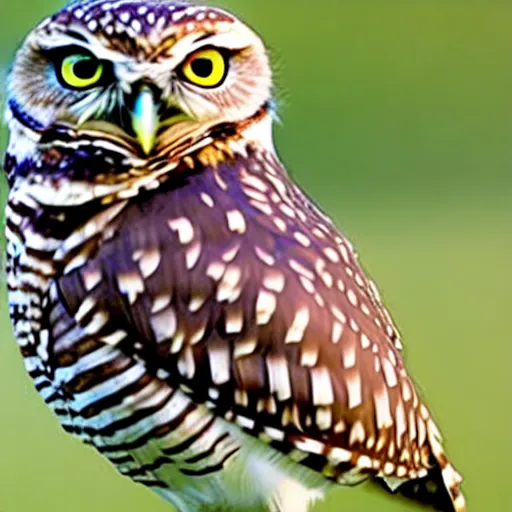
(243,293)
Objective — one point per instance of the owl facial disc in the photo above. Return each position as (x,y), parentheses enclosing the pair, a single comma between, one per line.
(150,73)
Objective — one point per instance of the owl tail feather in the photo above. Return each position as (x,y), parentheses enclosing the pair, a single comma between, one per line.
(432,491)
(440,489)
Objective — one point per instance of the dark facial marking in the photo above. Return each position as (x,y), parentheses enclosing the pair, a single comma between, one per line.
(24,118)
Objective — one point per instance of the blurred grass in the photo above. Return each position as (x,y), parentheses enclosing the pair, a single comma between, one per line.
(397,118)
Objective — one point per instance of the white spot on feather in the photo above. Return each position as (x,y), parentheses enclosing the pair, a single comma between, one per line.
(236,221)
(297,329)
(164,324)
(321,385)
(125,17)
(266,304)
(184,229)
(279,377)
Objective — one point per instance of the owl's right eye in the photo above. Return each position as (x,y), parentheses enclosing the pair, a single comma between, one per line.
(80,71)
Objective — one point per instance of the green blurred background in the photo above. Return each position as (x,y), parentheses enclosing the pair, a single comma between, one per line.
(397,118)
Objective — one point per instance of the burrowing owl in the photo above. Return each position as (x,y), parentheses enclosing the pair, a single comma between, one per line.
(179,302)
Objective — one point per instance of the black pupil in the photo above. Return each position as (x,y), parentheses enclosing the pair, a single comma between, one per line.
(85,68)
(202,67)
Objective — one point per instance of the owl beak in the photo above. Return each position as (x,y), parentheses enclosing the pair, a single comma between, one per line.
(145,119)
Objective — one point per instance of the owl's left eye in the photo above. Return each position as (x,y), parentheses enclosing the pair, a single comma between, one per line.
(206,68)
(81,71)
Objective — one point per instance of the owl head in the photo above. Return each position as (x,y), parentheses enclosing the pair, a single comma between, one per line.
(148,75)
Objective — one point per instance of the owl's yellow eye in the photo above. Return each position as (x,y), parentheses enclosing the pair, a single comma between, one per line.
(81,71)
(206,68)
